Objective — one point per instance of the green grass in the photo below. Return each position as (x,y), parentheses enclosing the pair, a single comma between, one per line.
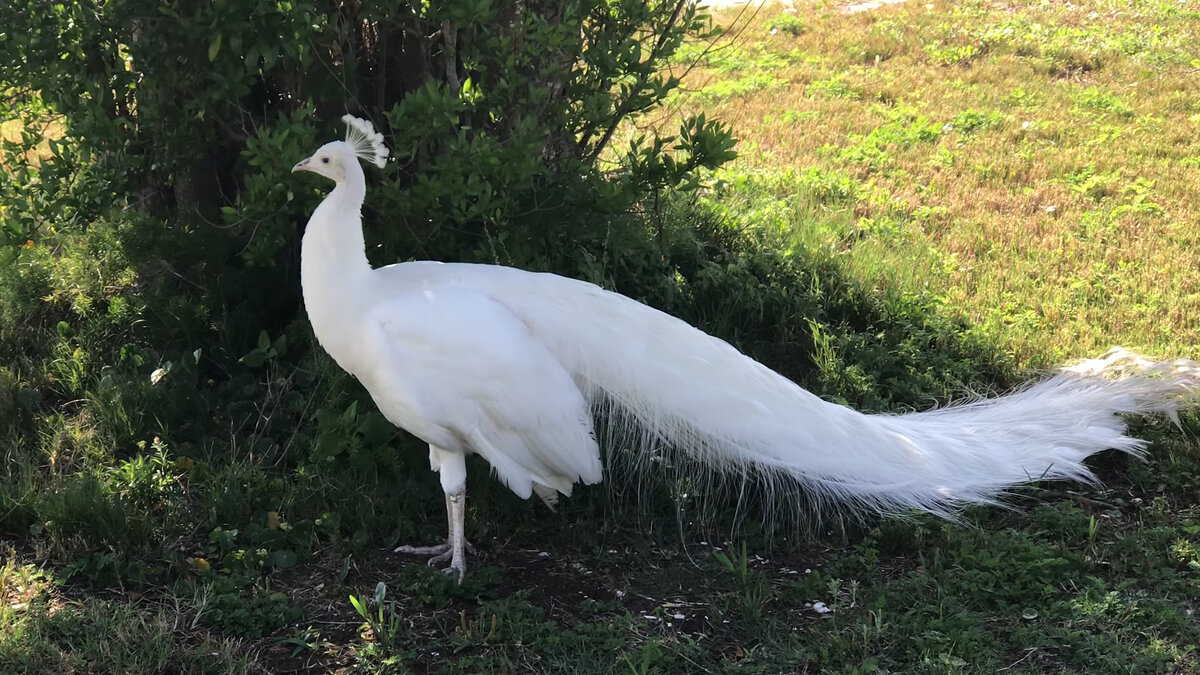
(927,201)
(969,124)
(49,631)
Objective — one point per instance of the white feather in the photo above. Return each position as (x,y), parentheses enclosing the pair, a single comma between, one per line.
(699,394)
(366,143)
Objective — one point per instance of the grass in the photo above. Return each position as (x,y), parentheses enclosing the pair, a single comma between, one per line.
(1009,105)
(11,131)
(48,630)
(948,193)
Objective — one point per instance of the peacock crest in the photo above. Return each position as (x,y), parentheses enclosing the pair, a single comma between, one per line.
(366,143)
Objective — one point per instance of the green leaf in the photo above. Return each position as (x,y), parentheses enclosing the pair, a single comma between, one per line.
(214,47)
(254,359)
(282,559)
(280,346)
(375,428)
(358,607)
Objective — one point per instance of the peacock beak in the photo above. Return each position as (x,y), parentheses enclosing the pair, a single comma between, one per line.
(302,165)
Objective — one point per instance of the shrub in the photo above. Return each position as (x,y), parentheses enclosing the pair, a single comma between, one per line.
(149,231)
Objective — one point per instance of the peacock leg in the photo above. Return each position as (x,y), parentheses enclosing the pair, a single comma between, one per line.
(440,552)
(458,540)
(453,470)
(456,545)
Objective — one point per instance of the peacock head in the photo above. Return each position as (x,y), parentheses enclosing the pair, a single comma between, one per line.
(333,160)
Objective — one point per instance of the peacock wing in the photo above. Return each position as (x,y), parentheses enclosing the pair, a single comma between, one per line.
(461,372)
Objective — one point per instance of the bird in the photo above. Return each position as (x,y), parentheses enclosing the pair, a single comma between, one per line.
(514,366)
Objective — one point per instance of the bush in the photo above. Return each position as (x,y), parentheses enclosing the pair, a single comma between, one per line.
(149,231)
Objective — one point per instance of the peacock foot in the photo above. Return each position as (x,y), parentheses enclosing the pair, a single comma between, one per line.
(441,553)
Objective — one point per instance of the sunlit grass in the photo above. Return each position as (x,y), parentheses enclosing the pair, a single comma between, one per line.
(1001,205)
(10,130)
(44,631)
(45,130)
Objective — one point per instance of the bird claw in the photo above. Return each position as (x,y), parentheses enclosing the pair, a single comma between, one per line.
(422,550)
(441,553)
(459,570)
(438,551)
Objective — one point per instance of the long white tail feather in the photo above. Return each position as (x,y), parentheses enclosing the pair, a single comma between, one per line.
(696,393)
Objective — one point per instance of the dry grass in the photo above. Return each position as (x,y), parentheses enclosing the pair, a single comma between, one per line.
(51,128)
(10,130)
(1055,206)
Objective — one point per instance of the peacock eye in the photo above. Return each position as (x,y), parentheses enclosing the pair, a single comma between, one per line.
(324,160)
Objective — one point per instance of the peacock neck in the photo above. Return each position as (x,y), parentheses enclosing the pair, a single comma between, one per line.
(333,246)
(334,272)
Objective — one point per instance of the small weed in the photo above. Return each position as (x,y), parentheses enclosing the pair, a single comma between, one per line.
(242,605)
(786,23)
(953,55)
(874,150)
(830,187)
(1096,99)
(1070,61)
(791,116)
(753,589)
(1138,197)
(737,564)
(733,59)
(381,618)
(1019,97)
(741,86)
(307,639)
(886,40)
(836,86)
(1091,184)
(970,121)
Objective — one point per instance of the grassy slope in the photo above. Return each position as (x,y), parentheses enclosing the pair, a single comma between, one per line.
(1035,165)
(925,181)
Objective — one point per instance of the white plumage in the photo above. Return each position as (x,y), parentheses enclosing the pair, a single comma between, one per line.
(511,365)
